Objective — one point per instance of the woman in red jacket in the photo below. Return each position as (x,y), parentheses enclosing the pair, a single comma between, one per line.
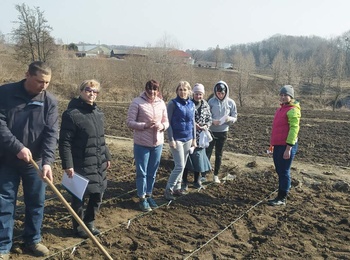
(284,140)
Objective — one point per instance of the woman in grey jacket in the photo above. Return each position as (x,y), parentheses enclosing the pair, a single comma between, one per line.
(224,113)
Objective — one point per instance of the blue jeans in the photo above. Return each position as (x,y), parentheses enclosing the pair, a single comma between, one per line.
(283,166)
(34,198)
(147,160)
(180,154)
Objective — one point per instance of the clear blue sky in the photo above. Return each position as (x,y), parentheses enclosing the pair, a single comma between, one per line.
(189,24)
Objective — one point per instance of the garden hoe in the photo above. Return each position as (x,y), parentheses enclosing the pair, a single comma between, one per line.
(72,212)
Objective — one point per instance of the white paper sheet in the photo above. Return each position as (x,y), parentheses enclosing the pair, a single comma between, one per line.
(223,119)
(76,185)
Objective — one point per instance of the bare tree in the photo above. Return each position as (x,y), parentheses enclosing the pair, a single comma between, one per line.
(340,69)
(32,36)
(291,70)
(263,62)
(309,70)
(218,56)
(197,55)
(2,42)
(245,66)
(278,68)
(157,63)
(346,42)
(2,38)
(324,68)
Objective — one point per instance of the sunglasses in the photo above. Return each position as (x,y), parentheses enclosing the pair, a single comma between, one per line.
(152,88)
(88,89)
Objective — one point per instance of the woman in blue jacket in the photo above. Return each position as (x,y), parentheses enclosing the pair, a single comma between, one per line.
(181,135)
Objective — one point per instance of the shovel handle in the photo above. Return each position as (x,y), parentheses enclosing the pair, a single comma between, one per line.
(72,212)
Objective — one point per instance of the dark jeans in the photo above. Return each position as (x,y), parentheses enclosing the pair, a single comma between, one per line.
(88,215)
(283,166)
(219,139)
(34,198)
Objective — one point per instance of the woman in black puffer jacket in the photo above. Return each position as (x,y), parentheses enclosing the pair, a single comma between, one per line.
(83,150)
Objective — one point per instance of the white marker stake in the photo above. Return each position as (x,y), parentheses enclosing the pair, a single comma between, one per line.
(129,222)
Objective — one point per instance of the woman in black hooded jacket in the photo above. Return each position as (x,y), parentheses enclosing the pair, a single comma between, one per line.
(83,150)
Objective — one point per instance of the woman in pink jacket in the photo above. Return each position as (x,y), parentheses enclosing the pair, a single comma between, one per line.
(147,116)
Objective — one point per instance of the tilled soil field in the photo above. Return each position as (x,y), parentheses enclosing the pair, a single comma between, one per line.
(226,221)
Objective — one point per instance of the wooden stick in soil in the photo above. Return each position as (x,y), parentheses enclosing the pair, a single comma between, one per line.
(72,212)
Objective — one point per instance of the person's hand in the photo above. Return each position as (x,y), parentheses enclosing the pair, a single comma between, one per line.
(159,127)
(69,172)
(194,143)
(25,154)
(46,172)
(286,154)
(216,122)
(199,127)
(108,165)
(270,150)
(172,144)
(230,119)
(149,124)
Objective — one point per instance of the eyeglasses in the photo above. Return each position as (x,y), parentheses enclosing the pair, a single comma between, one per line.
(89,90)
(152,88)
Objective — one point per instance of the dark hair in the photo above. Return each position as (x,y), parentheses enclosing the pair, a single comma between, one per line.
(40,66)
(152,84)
(220,88)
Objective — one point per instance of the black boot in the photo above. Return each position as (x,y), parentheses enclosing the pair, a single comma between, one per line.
(80,232)
(197,180)
(184,184)
(92,228)
(280,200)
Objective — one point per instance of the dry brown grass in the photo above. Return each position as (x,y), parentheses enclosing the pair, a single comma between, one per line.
(121,80)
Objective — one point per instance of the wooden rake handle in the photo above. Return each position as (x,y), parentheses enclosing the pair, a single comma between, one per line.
(72,212)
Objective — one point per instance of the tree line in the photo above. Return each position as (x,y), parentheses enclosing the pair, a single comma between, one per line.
(322,65)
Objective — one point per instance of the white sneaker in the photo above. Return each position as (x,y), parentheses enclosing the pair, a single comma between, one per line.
(229,177)
(216,179)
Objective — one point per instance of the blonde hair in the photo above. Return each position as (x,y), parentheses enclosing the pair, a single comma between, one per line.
(92,83)
(184,84)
